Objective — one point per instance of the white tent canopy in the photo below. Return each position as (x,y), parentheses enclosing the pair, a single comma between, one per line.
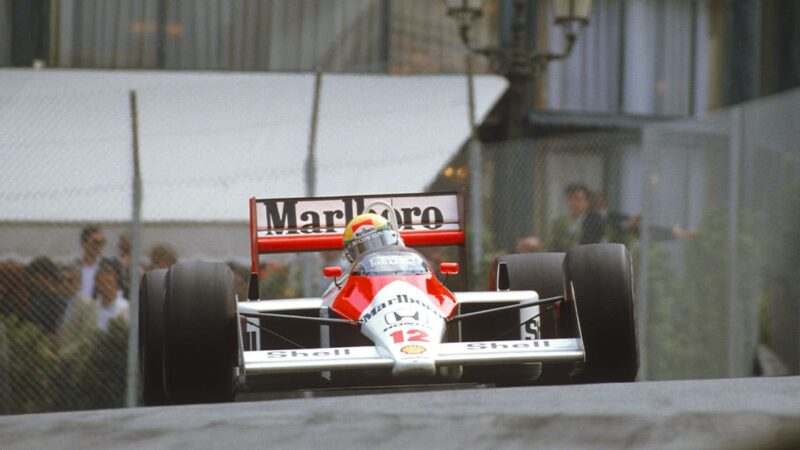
(209,141)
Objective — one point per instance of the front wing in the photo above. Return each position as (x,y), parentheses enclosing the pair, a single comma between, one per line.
(267,362)
(467,353)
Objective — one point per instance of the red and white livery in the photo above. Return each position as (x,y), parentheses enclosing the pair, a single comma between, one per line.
(388,318)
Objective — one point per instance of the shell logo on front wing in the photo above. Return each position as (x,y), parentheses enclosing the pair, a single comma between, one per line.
(413,349)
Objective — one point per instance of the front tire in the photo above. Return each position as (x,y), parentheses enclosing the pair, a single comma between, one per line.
(601,278)
(201,344)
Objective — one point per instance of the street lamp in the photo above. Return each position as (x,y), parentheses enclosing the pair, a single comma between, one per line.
(570,15)
(520,65)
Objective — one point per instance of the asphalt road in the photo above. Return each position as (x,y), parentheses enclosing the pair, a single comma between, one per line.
(754,413)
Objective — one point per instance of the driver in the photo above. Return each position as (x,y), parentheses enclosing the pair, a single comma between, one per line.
(368,232)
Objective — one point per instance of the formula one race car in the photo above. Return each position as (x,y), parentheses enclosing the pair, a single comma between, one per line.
(387,320)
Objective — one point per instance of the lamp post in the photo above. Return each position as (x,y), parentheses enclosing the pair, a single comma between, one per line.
(520,65)
(517,59)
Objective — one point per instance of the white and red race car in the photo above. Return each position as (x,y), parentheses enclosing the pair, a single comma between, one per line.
(387,320)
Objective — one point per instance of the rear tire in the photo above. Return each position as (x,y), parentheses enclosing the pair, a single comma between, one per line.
(601,277)
(540,272)
(151,337)
(201,344)
(543,273)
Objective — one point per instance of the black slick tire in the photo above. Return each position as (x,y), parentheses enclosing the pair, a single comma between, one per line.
(540,272)
(601,278)
(201,344)
(543,273)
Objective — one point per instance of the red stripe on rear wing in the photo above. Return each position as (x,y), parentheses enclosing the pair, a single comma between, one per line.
(287,244)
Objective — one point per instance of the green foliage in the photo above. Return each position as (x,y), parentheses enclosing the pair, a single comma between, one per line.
(29,360)
(661,341)
(782,290)
(34,379)
(689,301)
(102,378)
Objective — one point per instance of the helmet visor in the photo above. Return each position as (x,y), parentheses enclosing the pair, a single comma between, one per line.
(379,239)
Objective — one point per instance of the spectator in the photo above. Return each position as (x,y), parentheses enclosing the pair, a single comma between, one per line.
(602,225)
(123,263)
(622,228)
(567,231)
(47,300)
(14,295)
(162,256)
(109,301)
(528,244)
(92,242)
(80,317)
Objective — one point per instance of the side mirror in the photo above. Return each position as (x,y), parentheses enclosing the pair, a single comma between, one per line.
(503,282)
(332,272)
(448,268)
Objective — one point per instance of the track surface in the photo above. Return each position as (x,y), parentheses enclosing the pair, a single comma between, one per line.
(744,413)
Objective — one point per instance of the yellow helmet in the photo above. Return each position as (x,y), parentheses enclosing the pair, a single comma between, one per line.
(367,232)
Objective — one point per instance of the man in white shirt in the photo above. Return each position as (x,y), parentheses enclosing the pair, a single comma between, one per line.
(80,317)
(109,301)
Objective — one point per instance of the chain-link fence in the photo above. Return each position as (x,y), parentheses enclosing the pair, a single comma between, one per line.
(524,187)
(707,302)
(707,206)
(59,347)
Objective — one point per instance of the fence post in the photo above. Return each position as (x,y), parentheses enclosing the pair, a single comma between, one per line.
(311,182)
(642,281)
(475,180)
(136,243)
(5,379)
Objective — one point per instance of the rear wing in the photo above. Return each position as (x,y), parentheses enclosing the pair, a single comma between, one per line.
(308,224)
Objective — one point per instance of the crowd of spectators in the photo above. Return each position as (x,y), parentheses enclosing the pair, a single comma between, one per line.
(64,322)
(69,301)
(59,315)
(75,298)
